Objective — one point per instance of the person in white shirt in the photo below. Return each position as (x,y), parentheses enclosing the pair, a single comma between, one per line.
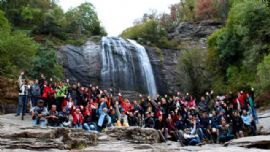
(23,93)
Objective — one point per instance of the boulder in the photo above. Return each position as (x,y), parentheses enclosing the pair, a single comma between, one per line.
(135,134)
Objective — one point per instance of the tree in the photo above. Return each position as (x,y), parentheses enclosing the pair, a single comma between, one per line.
(46,62)
(205,9)
(83,20)
(193,75)
(235,50)
(15,56)
(262,82)
(4,24)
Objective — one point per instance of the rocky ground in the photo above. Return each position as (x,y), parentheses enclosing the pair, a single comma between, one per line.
(18,135)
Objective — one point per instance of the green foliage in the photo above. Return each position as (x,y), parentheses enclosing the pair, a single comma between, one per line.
(84,20)
(263,73)
(149,32)
(45,62)
(45,17)
(235,50)
(146,31)
(47,22)
(193,74)
(187,10)
(4,24)
(16,52)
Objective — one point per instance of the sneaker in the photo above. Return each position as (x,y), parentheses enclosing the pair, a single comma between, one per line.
(17,115)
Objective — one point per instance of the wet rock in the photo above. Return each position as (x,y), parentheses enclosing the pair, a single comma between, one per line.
(81,64)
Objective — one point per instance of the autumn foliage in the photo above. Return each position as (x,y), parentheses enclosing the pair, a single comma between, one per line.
(205,9)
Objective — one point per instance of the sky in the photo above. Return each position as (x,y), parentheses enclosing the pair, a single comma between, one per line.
(117,15)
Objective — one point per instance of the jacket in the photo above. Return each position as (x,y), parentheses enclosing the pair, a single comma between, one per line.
(76,120)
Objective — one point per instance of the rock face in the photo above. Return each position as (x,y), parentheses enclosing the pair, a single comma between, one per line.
(8,95)
(165,61)
(84,63)
(81,64)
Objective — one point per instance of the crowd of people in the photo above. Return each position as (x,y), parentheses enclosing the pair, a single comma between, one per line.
(179,117)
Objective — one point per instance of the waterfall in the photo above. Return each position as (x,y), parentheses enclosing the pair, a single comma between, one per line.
(126,66)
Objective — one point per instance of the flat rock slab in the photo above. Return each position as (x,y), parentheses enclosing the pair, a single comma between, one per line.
(19,136)
(262,142)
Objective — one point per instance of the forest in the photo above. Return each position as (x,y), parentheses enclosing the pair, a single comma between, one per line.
(31,32)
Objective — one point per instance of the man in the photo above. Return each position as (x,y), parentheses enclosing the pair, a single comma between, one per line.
(39,114)
(61,92)
(149,121)
(237,124)
(53,117)
(41,82)
(224,133)
(23,92)
(190,135)
(35,93)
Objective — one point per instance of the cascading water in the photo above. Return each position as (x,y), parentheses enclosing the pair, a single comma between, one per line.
(126,65)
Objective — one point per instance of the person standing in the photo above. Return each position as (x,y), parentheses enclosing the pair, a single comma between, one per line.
(35,93)
(41,82)
(23,92)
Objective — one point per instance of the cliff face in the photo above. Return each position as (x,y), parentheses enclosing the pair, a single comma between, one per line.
(8,95)
(81,64)
(165,61)
(84,63)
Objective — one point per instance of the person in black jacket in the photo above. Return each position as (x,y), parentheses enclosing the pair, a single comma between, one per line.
(237,125)
(149,121)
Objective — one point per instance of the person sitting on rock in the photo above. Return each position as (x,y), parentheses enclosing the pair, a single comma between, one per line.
(237,124)
(77,119)
(65,117)
(162,128)
(39,114)
(224,132)
(190,135)
(88,124)
(52,118)
(249,123)
(122,117)
(149,121)
(104,119)
(133,120)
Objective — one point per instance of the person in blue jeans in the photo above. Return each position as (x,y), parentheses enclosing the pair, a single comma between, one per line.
(23,93)
(39,114)
(190,135)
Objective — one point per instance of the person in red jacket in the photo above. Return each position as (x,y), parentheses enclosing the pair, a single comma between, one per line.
(77,119)
(48,95)
(125,104)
